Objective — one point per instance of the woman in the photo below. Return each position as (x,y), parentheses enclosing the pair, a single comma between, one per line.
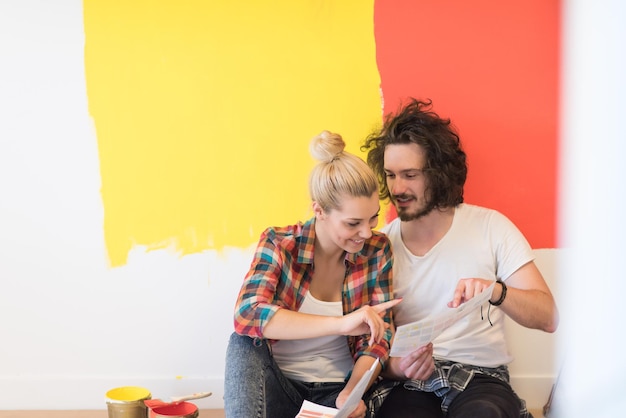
(313,313)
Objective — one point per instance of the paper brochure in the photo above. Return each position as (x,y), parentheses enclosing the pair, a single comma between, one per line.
(313,410)
(410,337)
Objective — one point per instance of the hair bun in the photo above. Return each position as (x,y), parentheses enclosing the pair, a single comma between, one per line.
(327,146)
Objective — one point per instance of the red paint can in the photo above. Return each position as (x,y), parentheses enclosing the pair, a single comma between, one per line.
(174,410)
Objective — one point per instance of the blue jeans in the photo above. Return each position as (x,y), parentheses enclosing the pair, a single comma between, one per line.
(255,387)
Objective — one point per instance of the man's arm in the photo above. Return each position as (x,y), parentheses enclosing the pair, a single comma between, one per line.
(528,300)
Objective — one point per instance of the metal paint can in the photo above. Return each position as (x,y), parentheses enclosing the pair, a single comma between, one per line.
(127,402)
(175,410)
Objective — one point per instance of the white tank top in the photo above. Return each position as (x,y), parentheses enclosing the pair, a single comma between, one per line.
(322,359)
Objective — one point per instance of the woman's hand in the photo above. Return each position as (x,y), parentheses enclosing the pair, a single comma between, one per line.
(359,411)
(367,319)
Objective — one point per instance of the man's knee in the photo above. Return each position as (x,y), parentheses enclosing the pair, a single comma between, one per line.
(486,397)
(481,408)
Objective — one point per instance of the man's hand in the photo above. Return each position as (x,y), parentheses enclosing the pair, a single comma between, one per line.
(419,364)
(467,289)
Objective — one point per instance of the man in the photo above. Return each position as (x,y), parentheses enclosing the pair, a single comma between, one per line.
(446,252)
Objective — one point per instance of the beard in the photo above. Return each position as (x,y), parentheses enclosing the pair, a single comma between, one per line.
(406,215)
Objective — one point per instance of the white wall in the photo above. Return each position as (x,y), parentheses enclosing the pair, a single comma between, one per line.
(592,218)
(537,364)
(72,328)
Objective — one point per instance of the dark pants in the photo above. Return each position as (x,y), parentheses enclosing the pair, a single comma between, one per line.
(484,397)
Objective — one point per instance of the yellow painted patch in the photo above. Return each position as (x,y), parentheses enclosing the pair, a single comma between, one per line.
(204,110)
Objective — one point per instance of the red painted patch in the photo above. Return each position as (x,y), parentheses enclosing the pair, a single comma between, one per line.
(492,67)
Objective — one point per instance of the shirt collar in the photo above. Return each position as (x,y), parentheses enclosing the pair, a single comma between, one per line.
(307,245)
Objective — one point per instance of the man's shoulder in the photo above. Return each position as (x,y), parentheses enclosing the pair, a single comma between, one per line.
(476,211)
(390,227)
(480,218)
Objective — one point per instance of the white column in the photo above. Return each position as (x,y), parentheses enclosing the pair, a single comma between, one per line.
(592,274)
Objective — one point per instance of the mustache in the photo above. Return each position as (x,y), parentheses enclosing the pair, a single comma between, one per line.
(402,196)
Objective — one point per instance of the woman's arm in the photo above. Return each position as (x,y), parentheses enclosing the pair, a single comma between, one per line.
(361,366)
(291,325)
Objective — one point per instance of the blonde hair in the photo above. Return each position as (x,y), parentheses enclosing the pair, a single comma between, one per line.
(338,172)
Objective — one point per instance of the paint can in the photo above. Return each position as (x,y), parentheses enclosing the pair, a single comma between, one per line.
(175,410)
(127,402)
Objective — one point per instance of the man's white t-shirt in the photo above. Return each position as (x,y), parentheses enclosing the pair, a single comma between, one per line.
(481,243)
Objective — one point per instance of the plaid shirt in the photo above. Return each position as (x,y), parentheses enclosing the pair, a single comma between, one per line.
(281,272)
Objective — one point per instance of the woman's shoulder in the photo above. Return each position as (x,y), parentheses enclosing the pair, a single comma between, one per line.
(379,235)
(377,243)
(295,239)
(288,231)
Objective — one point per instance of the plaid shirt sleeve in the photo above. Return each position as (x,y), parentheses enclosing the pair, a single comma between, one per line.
(274,281)
(371,283)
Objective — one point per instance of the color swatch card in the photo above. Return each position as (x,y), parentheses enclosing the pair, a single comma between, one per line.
(313,410)
(410,337)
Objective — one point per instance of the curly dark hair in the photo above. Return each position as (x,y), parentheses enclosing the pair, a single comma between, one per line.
(446,165)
